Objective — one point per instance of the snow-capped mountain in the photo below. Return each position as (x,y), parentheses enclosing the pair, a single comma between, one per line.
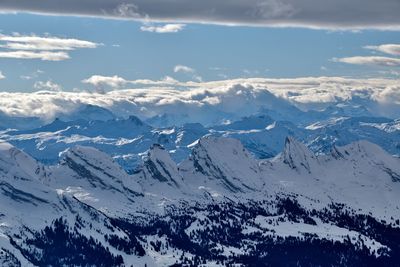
(159,173)
(221,163)
(219,206)
(236,192)
(32,213)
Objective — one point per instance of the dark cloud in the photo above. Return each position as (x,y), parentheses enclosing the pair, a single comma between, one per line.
(338,14)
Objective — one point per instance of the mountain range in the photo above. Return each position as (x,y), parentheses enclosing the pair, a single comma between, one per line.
(281,187)
(263,134)
(218,206)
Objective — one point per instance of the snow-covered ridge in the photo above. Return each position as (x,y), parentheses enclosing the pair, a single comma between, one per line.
(15,162)
(222,161)
(298,156)
(223,167)
(159,174)
(89,186)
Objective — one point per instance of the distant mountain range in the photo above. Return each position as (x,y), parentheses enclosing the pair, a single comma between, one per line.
(125,139)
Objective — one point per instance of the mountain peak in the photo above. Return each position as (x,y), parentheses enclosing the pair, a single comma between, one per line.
(297,155)
(226,162)
(18,164)
(98,168)
(158,167)
(360,148)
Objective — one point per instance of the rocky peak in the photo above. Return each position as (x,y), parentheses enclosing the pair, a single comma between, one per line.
(98,168)
(297,155)
(224,160)
(159,167)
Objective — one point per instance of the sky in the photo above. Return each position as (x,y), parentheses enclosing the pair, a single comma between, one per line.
(222,47)
(162,55)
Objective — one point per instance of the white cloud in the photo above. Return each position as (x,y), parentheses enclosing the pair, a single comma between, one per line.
(48,85)
(99,80)
(188,71)
(390,95)
(204,102)
(370,60)
(167,28)
(2,76)
(391,49)
(42,55)
(44,48)
(116,82)
(182,68)
(20,42)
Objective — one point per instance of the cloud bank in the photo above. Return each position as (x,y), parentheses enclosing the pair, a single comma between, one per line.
(338,14)
(203,101)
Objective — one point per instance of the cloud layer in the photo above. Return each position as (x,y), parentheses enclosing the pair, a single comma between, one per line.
(391,49)
(203,101)
(339,14)
(44,48)
(370,60)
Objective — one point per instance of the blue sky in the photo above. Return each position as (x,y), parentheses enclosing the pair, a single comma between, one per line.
(212,52)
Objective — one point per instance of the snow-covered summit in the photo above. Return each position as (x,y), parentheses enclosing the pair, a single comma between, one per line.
(297,156)
(159,169)
(222,162)
(19,165)
(93,167)
(365,155)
